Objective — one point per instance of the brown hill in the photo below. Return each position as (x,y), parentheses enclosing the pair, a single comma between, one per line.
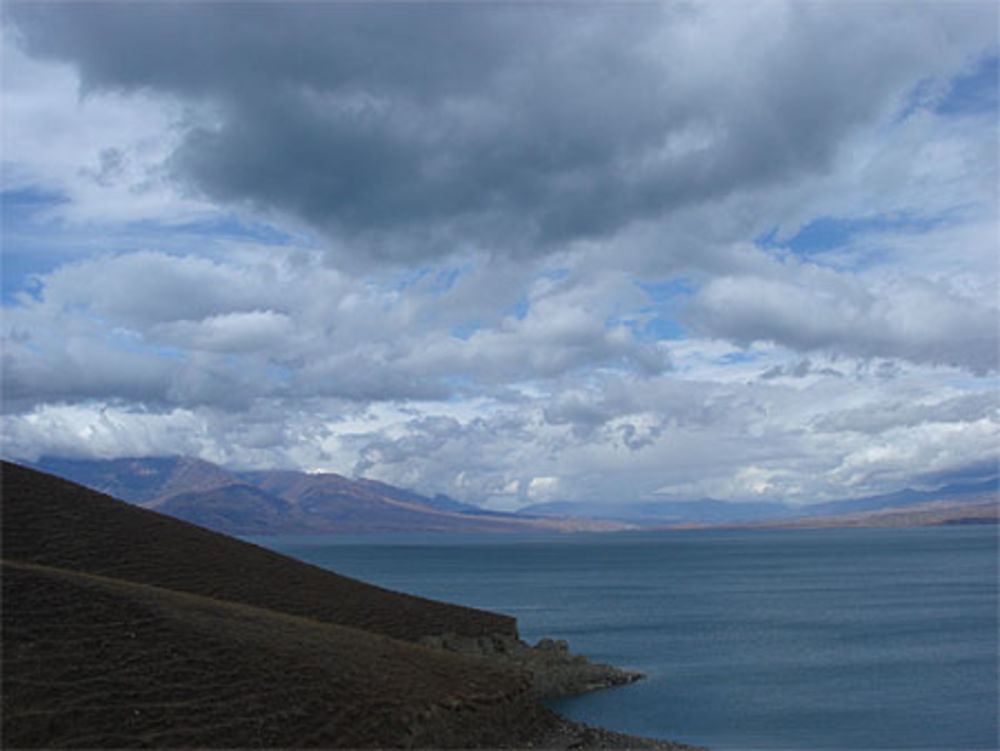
(143,481)
(237,509)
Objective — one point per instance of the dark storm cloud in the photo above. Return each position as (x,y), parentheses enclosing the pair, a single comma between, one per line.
(406,129)
(238,48)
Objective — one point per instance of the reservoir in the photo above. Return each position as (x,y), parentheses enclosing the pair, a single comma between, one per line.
(847,639)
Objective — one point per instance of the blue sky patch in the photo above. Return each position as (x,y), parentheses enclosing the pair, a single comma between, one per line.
(445,279)
(974,92)
(519,309)
(16,270)
(228,226)
(745,355)
(660,319)
(828,233)
(21,256)
(464,331)
(21,203)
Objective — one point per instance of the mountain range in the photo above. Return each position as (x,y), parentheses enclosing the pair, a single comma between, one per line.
(293,502)
(967,501)
(289,502)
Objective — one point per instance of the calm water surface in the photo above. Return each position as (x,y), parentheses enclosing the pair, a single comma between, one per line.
(804,639)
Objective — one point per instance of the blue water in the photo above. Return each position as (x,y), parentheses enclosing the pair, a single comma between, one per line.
(793,639)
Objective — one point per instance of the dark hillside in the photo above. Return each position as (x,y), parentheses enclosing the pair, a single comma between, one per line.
(124,628)
(54,522)
(97,662)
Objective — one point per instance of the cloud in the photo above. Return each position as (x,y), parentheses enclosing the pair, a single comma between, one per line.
(801,369)
(896,414)
(148,288)
(99,158)
(151,327)
(79,431)
(248,331)
(809,308)
(936,447)
(478,127)
(549,340)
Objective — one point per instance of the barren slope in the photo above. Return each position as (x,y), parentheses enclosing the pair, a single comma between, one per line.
(91,661)
(56,523)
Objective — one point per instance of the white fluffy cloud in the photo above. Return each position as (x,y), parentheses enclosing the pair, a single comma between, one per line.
(808,308)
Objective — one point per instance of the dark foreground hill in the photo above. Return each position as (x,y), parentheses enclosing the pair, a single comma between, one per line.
(91,661)
(124,628)
(57,523)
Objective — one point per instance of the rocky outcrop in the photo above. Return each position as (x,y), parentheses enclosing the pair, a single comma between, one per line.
(554,670)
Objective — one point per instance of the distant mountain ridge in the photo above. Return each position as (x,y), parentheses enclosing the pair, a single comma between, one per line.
(287,501)
(703,511)
(965,491)
(293,502)
(709,512)
(144,481)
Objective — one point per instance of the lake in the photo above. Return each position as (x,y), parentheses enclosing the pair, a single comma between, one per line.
(857,639)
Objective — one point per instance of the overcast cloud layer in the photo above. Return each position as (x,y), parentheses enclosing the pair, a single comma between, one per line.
(510,252)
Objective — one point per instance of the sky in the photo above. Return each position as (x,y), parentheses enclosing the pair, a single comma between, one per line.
(513,252)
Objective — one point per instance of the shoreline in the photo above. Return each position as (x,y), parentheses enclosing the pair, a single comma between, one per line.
(556,672)
(570,734)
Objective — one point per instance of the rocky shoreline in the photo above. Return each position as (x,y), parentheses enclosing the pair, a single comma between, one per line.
(554,670)
(578,736)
